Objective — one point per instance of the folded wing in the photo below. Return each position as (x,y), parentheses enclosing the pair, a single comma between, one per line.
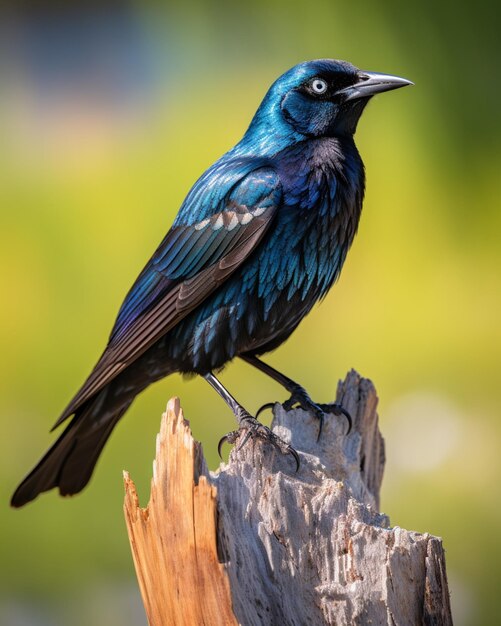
(192,261)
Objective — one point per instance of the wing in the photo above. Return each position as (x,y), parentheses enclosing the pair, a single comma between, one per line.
(191,263)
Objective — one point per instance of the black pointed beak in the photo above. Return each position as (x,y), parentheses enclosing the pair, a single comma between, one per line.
(371,83)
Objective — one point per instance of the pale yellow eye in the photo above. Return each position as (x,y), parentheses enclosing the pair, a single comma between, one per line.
(318,85)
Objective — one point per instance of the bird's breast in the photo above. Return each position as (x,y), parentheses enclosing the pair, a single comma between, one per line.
(323,182)
(323,187)
(323,175)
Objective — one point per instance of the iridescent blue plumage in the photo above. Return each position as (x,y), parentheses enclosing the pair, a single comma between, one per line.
(260,238)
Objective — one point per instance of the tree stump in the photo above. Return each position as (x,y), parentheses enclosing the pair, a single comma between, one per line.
(256,543)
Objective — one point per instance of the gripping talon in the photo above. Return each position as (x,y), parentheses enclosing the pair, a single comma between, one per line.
(251,428)
(268,405)
(300,398)
(220,446)
(230,437)
(349,420)
(320,417)
(337,409)
(246,438)
(295,455)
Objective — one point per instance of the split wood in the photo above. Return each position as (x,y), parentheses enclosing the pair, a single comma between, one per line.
(258,544)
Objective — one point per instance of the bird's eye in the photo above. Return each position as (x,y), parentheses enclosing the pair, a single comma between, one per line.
(318,85)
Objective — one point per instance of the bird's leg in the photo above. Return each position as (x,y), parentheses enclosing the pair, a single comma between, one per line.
(299,395)
(248,426)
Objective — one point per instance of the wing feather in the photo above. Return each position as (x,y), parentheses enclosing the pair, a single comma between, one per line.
(191,263)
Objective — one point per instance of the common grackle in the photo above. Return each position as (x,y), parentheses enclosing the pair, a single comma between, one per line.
(261,237)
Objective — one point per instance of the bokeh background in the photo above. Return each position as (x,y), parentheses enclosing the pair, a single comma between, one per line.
(108,113)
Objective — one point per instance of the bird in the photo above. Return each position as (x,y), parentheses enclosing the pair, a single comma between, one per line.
(260,238)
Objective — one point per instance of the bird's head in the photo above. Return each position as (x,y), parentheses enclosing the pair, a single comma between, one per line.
(320,98)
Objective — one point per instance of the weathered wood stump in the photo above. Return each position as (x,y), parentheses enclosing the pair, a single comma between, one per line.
(257,543)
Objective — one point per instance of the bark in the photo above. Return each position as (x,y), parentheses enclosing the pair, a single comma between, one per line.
(288,548)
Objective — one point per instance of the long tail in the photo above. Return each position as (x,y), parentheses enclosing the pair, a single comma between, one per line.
(69,463)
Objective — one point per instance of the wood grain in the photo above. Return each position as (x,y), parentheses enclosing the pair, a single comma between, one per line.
(295,548)
(173,540)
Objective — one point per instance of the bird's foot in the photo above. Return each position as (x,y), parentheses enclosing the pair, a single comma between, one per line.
(250,428)
(300,398)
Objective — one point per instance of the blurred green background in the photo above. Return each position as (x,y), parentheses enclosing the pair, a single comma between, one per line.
(108,114)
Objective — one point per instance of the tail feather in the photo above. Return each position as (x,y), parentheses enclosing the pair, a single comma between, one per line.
(69,463)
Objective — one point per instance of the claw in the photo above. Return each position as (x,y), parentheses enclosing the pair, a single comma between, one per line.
(348,419)
(320,417)
(300,398)
(220,445)
(254,429)
(337,409)
(268,405)
(230,437)
(295,455)
(246,438)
